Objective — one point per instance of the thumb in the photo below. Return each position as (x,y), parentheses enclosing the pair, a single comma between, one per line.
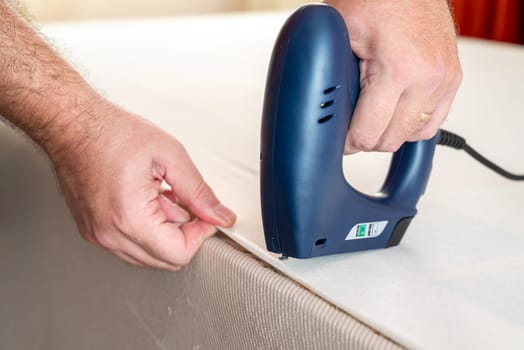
(192,190)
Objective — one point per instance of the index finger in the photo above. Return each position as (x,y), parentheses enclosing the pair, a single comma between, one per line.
(176,245)
(373,112)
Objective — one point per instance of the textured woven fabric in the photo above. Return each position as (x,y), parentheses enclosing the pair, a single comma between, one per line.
(234,301)
(60,293)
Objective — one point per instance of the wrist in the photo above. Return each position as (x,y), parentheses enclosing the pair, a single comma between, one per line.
(76,123)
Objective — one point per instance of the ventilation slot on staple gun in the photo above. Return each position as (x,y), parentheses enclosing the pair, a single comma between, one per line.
(325,119)
(327,104)
(331,89)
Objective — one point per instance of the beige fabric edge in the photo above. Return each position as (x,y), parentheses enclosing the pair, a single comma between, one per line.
(58,292)
(252,306)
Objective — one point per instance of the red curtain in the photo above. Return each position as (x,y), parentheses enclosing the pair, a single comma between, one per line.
(501,20)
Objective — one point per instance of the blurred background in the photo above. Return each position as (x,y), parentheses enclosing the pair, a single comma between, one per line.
(492,19)
(86,9)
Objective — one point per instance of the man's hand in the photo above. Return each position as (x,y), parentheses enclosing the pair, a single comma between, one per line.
(409,69)
(110,163)
(111,177)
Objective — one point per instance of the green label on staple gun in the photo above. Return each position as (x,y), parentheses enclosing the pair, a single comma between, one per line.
(366,230)
(362,229)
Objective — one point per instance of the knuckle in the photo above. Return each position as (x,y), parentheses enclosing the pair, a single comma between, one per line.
(388,147)
(457,77)
(204,193)
(180,149)
(453,77)
(402,72)
(363,139)
(183,260)
(88,237)
(125,225)
(106,240)
(364,143)
(426,133)
(349,149)
(436,73)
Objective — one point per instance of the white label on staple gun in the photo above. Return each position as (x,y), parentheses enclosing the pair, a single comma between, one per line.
(366,230)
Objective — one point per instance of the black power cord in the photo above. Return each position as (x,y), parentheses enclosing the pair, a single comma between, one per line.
(447,138)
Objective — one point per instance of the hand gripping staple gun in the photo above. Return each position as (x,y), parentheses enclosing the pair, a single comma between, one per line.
(308,207)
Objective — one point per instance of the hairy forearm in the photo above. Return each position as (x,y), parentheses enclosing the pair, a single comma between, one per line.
(39,92)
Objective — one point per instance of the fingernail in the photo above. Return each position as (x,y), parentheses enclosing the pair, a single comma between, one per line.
(226,215)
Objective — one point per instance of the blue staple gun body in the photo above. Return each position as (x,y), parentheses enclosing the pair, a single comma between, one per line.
(308,207)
